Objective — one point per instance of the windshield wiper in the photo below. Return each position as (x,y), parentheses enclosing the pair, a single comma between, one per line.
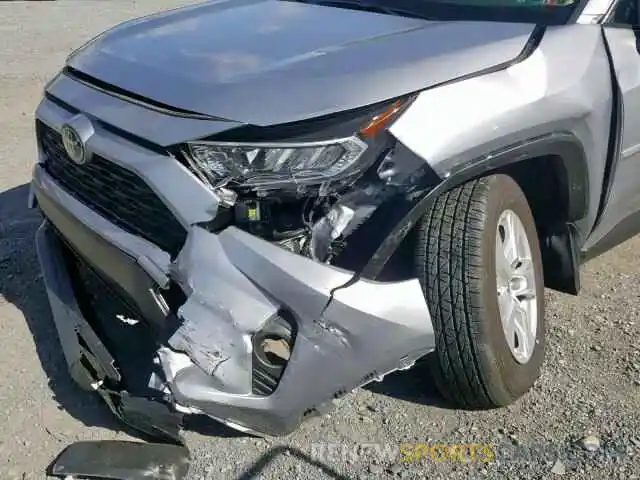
(365,6)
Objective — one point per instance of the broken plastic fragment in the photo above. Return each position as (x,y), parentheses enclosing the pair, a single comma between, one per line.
(156,383)
(227,196)
(97,385)
(127,320)
(172,362)
(339,219)
(278,348)
(328,229)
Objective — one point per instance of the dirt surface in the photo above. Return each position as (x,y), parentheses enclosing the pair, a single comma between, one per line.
(590,384)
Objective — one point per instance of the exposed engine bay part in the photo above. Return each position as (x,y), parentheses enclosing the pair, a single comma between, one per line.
(328,229)
(363,216)
(303,194)
(316,221)
(121,460)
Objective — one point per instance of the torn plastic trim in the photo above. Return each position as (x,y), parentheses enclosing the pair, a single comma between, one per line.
(225,309)
(68,320)
(88,360)
(379,203)
(121,267)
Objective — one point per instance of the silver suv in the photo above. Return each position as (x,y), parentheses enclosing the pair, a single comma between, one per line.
(252,207)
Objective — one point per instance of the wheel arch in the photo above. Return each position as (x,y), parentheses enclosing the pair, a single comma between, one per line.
(552,171)
(560,154)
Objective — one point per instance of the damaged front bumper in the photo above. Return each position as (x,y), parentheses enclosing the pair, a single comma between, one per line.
(234,288)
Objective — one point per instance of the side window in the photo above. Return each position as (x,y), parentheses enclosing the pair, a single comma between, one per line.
(624,12)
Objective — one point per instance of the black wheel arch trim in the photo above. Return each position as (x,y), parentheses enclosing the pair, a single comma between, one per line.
(564,145)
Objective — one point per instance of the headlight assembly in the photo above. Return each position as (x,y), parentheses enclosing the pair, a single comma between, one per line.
(286,164)
(272,165)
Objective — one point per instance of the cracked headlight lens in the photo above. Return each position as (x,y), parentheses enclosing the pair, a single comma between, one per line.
(271,165)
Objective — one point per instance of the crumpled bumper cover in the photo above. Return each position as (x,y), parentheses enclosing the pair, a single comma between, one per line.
(235,282)
(348,330)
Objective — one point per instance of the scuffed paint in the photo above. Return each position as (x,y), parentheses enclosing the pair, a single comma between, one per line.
(222,311)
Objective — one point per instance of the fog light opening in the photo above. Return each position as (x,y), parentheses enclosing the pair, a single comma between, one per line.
(272,351)
(275,351)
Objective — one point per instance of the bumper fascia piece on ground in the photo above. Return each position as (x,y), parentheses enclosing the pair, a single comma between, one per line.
(122,461)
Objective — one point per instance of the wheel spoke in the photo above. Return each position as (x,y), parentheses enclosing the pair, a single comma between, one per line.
(520,239)
(503,268)
(511,337)
(510,243)
(506,305)
(509,325)
(526,292)
(522,330)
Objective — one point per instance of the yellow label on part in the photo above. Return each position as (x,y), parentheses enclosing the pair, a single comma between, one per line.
(252,213)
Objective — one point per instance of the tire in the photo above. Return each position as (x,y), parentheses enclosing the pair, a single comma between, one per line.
(473,365)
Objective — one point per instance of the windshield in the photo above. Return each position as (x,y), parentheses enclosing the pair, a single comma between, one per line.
(544,12)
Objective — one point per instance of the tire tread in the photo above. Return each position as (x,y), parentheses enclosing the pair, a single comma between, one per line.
(449,263)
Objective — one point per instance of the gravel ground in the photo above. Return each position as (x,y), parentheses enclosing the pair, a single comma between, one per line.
(590,384)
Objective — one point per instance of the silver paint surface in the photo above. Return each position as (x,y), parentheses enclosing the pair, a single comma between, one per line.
(234,283)
(266,62)
(160,129)
(563,86)
(625,193)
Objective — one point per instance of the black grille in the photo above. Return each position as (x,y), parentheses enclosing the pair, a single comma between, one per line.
(114,192)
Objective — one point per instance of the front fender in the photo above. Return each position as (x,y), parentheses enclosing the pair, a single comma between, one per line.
(555,102)
(563,87)
(370,247)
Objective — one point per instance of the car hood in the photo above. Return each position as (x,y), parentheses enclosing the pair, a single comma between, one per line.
(267,62)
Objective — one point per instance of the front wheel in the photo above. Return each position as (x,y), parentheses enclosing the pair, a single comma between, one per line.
(478,260)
